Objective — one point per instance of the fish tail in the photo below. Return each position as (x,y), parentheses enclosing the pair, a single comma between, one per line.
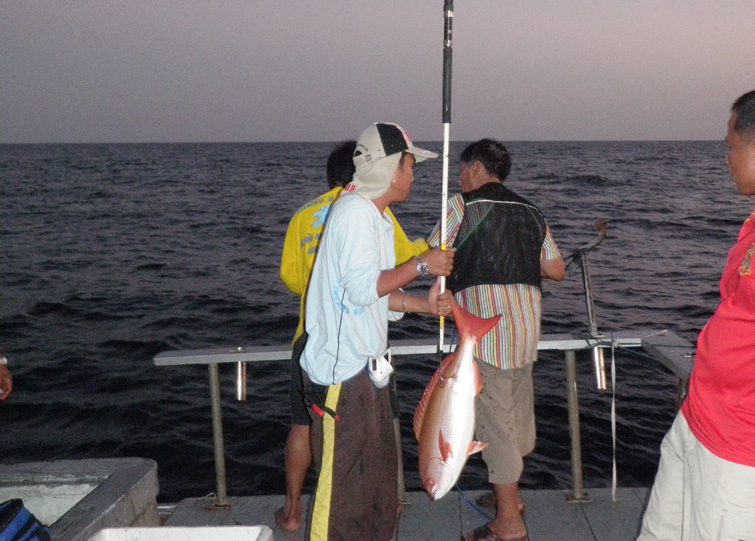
(471,326)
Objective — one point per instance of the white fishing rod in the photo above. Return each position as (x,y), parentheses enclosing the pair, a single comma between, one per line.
(448,14)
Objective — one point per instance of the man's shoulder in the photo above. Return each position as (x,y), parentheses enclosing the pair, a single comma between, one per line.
(348,202)
(321,200)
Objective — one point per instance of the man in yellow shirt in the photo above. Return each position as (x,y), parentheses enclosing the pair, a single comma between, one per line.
(299,251)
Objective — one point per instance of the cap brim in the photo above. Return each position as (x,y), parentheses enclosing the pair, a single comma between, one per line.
(420,154)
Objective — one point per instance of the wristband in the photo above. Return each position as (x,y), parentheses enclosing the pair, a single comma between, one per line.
(3,360)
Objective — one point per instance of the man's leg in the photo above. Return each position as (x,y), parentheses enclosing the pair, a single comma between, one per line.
(698,496)
(508,522)
(298,458)
(721,496)
(298,453)
(664,516)
(506,421)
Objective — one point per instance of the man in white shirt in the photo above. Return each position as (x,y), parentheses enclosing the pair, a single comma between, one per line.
(354,291)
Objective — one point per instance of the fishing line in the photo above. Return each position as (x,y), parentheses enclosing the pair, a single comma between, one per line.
(338,337)
(472,504)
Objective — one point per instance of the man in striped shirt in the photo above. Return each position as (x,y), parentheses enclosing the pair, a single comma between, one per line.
(504,249)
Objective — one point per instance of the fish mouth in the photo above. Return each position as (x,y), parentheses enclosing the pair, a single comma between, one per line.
(437,490)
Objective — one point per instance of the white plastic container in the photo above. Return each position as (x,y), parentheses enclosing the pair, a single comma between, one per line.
(198,533)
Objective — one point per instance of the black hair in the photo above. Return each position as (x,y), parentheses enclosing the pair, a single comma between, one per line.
(744,109)
(491,154)
(341,164)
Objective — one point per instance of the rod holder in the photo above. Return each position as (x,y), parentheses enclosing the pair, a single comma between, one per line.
(599,364)
(241,381)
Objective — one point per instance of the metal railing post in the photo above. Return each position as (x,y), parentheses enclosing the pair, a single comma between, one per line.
(221,495)
(572,400)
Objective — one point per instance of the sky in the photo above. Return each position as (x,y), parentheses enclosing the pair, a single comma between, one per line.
(89,71)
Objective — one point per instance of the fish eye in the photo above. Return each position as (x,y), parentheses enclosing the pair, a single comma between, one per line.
(431,482)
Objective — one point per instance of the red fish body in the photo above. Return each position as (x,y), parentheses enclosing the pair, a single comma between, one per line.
(445,417)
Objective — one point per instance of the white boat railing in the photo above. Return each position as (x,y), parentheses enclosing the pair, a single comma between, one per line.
(675,353)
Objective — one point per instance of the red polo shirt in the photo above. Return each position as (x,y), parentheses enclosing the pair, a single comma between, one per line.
(720,408)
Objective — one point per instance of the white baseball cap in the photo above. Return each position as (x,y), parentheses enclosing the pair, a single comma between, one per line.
(377,155)
(383,139)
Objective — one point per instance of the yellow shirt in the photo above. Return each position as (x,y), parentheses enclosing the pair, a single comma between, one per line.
(303,238)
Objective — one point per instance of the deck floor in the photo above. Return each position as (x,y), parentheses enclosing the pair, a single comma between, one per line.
(549,516)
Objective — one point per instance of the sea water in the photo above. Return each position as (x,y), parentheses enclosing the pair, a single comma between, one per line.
(112,254)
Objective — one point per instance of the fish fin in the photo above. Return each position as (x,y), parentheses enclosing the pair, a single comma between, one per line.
(449,369)
(419,413)
(472,326)
(445,448)
(477,379)
(476,447)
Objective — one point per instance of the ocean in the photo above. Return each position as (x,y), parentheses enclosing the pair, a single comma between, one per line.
(112,254)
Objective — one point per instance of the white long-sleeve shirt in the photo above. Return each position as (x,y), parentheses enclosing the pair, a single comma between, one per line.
(345,320)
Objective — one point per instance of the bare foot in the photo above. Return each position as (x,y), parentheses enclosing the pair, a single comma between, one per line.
(288,521)
(487,501)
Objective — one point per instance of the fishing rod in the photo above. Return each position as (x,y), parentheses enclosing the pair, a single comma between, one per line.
(448,14)
(579,256)
(601,224)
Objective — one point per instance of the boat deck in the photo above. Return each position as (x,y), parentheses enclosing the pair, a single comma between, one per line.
(549,516)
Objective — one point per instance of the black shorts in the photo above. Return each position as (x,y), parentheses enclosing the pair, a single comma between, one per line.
(299,413)
(355,454)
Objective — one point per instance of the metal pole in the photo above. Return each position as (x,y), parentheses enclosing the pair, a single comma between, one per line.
(588,296)
(221,495)
(572,400)
(580,256)
(598,359)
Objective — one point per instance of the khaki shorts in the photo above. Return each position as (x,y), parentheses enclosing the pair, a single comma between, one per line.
(505,419)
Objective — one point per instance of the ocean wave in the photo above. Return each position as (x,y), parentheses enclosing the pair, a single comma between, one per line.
(189,259)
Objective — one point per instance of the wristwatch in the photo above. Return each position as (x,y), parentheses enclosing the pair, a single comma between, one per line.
(423,268)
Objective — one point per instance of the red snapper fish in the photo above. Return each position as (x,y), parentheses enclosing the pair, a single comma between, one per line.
(445,417)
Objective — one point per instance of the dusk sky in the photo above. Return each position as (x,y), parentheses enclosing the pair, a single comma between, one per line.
(307,70)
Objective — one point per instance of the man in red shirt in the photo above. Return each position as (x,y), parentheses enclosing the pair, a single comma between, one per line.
(705,486)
